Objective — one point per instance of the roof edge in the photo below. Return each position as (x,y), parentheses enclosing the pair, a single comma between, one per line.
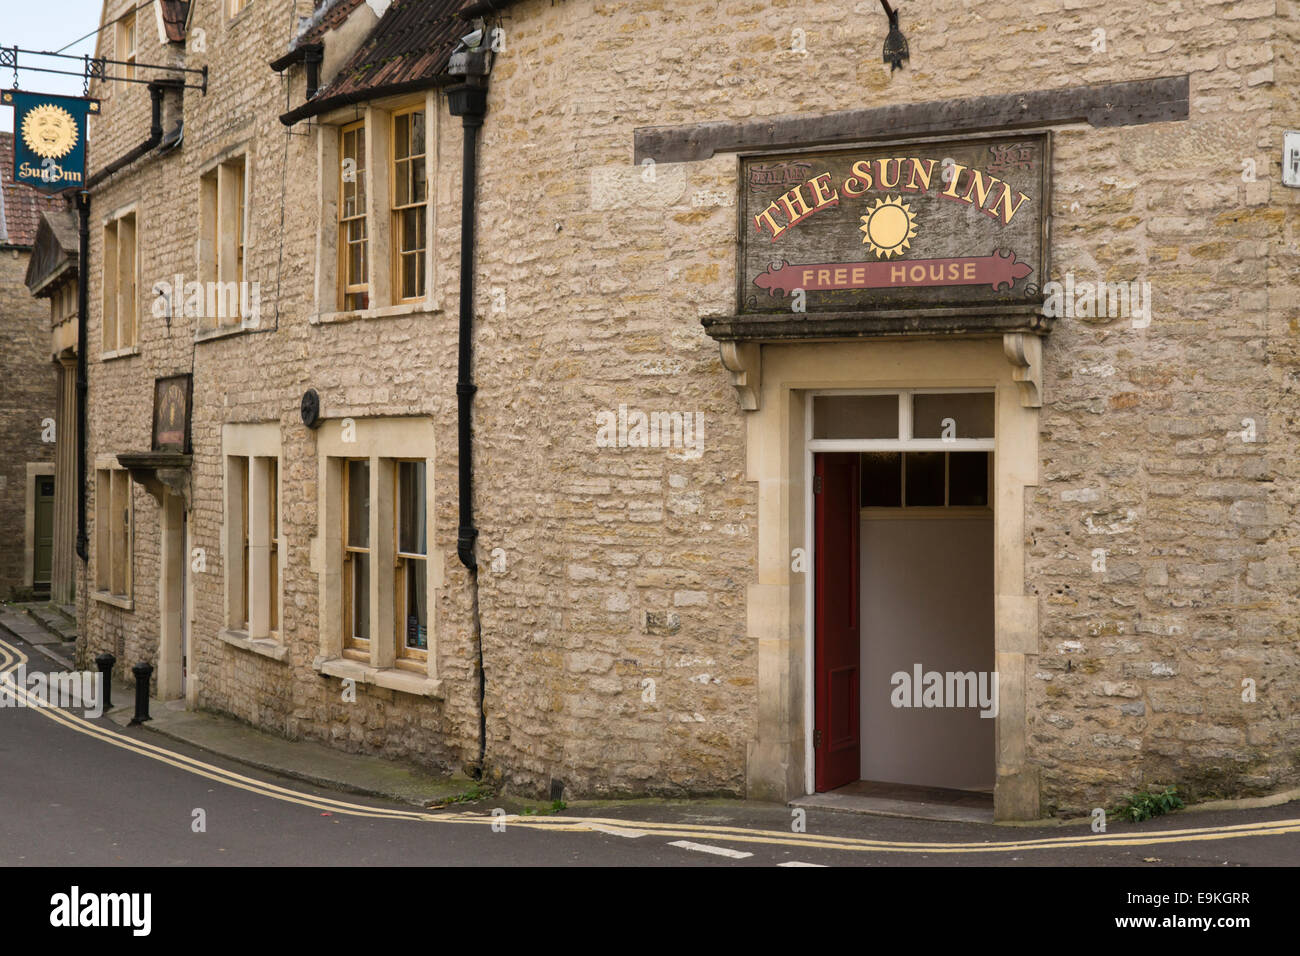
(482,7)
(317,107)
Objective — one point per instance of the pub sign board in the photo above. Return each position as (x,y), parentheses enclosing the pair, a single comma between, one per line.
(947,225)
(49,138)
(171,413)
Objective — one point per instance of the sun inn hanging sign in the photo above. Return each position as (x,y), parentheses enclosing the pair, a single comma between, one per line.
(50,138)
(932,226)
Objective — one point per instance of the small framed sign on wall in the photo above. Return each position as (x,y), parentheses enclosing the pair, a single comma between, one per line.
(171,413)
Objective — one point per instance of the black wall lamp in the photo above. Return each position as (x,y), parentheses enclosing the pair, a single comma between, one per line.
(895,52)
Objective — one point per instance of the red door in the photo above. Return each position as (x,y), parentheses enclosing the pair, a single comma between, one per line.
(836,724)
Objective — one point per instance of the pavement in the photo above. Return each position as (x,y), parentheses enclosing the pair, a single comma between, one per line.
(303,760)
(115,793)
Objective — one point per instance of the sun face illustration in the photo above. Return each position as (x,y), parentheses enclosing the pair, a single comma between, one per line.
(888,226)
(50,131)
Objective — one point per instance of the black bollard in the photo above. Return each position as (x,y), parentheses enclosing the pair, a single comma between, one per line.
(105,664)
(142,674)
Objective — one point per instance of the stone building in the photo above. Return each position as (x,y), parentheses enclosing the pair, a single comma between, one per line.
(52,276)
(27,397)
(782,475)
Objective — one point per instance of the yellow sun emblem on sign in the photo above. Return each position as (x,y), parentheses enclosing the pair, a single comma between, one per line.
(49,131)
(888,226)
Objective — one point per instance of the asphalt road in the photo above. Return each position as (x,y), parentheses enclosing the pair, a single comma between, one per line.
(84,793)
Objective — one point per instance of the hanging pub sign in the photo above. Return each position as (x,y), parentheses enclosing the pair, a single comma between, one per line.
(930,226)
(49,138)
(171,413)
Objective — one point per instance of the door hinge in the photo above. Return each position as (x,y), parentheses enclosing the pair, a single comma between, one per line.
(817,738)
(817,484)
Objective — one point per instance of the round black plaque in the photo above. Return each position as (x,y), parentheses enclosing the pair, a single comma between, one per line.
(311,408)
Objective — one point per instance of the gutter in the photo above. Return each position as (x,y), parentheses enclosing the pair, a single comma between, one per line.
(309,54)
(156,90)
(484,7)
(315,108)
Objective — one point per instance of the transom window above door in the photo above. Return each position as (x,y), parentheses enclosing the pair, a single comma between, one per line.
(902,420)
(919,448)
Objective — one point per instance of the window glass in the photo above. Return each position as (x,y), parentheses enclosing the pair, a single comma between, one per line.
(273,521)
(924,478)
(968,478)
(354,267)
(412,621)
(411,521)
(882,479)
(410,191)
(855,416)
(417,606)
(358,504)
(360,596)
(953,415)
(241,477)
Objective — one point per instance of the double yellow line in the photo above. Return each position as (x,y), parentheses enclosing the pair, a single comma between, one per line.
(11,657)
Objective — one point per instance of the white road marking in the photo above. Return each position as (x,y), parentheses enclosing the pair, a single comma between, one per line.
(617,831)
(715,850)
(797,863)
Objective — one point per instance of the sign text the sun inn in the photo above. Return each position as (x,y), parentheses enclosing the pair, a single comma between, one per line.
(925,226)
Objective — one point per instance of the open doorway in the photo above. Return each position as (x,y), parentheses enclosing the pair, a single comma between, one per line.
(904,689)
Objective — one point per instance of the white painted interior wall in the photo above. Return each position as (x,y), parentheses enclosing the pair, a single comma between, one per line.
(927,598)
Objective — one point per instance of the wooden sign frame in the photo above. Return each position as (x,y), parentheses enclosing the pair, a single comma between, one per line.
(967,261)
(172,413)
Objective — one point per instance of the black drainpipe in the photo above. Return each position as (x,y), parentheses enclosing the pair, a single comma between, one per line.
(83,294)
(468,100)
(83,306)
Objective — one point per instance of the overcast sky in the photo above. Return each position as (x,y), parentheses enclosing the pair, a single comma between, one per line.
(46,25)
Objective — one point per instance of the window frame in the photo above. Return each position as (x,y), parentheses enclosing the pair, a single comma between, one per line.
(346,288)
(120,309)
(412,658)
(384,443)
(223,237)
(114,542)
(252,535)
(354,647)
(396,212)
(382,287)
(904,443)
(128,27)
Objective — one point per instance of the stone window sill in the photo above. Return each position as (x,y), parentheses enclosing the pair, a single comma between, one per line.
(119,353)
(225,331)
(390,678)
(275,650)
(125,602)
(385,312)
